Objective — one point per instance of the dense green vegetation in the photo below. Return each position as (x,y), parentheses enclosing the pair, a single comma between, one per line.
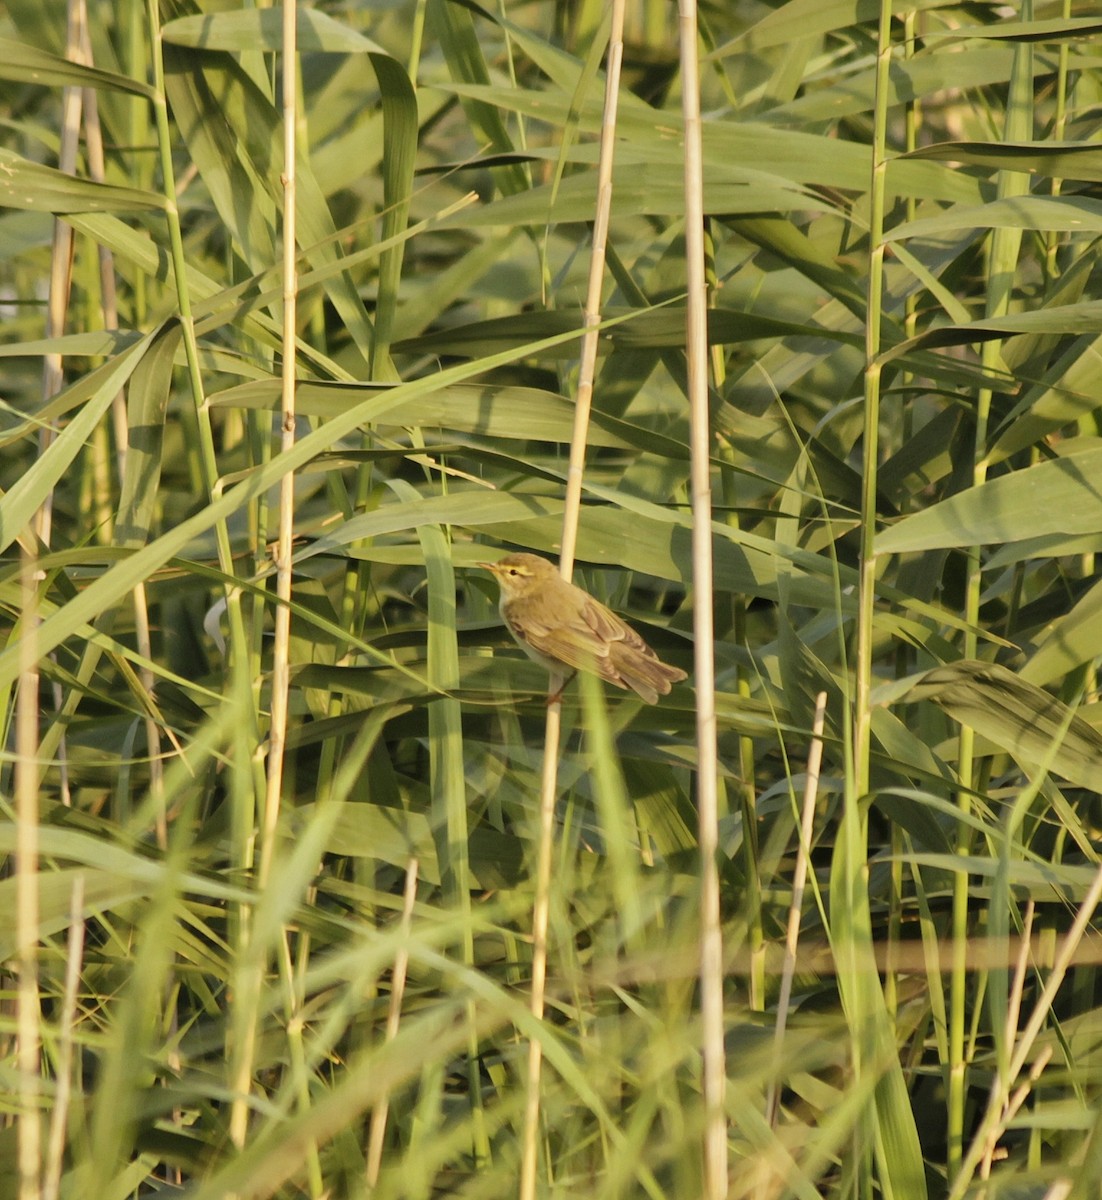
(324,991)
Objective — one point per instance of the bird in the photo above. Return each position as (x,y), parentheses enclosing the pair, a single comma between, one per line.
(563,628)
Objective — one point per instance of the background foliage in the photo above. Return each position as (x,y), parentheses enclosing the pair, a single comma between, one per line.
(222,1029)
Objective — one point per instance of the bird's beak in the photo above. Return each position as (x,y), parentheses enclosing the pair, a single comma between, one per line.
(488,566)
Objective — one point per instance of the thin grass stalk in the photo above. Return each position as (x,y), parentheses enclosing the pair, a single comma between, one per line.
(707,756)
(416,39)
(1087,424)
(205,434)
(57,306)
(862,717)
(614,810)
(281,649)
(447,783)
(751,852)
(799,881)
(27,713)
(1053,240)
(97,169)
(1002,261)
(904,655)
(61,257)
(511,73)
(93,142)
(281,681)
(885,1135)
(137,118)
(297,1067)
(377,1128)
(53,1159)
(571,510)
(958,980)
(280,686)
(28,1013)
(202,433)
(135,57)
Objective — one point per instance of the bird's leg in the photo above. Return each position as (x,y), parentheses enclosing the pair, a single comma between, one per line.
(555,695)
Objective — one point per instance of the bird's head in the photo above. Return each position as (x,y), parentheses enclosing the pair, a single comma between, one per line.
(521,575)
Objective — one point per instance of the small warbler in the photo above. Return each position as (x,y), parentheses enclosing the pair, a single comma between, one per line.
(565,629)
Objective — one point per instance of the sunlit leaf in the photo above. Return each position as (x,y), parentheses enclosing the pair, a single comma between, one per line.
(262,29)
(24,63)
(1066,160)
(1055,497)
(30,185)
(1017,716)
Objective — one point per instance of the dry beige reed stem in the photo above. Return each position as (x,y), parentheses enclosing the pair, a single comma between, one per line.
(549,774)
(377,1129)
(799,881)
(713,1050)
(59,1117)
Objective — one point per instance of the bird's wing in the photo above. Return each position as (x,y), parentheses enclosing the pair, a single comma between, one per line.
(570,643)
(588,636)
(609,628)
(579,638)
